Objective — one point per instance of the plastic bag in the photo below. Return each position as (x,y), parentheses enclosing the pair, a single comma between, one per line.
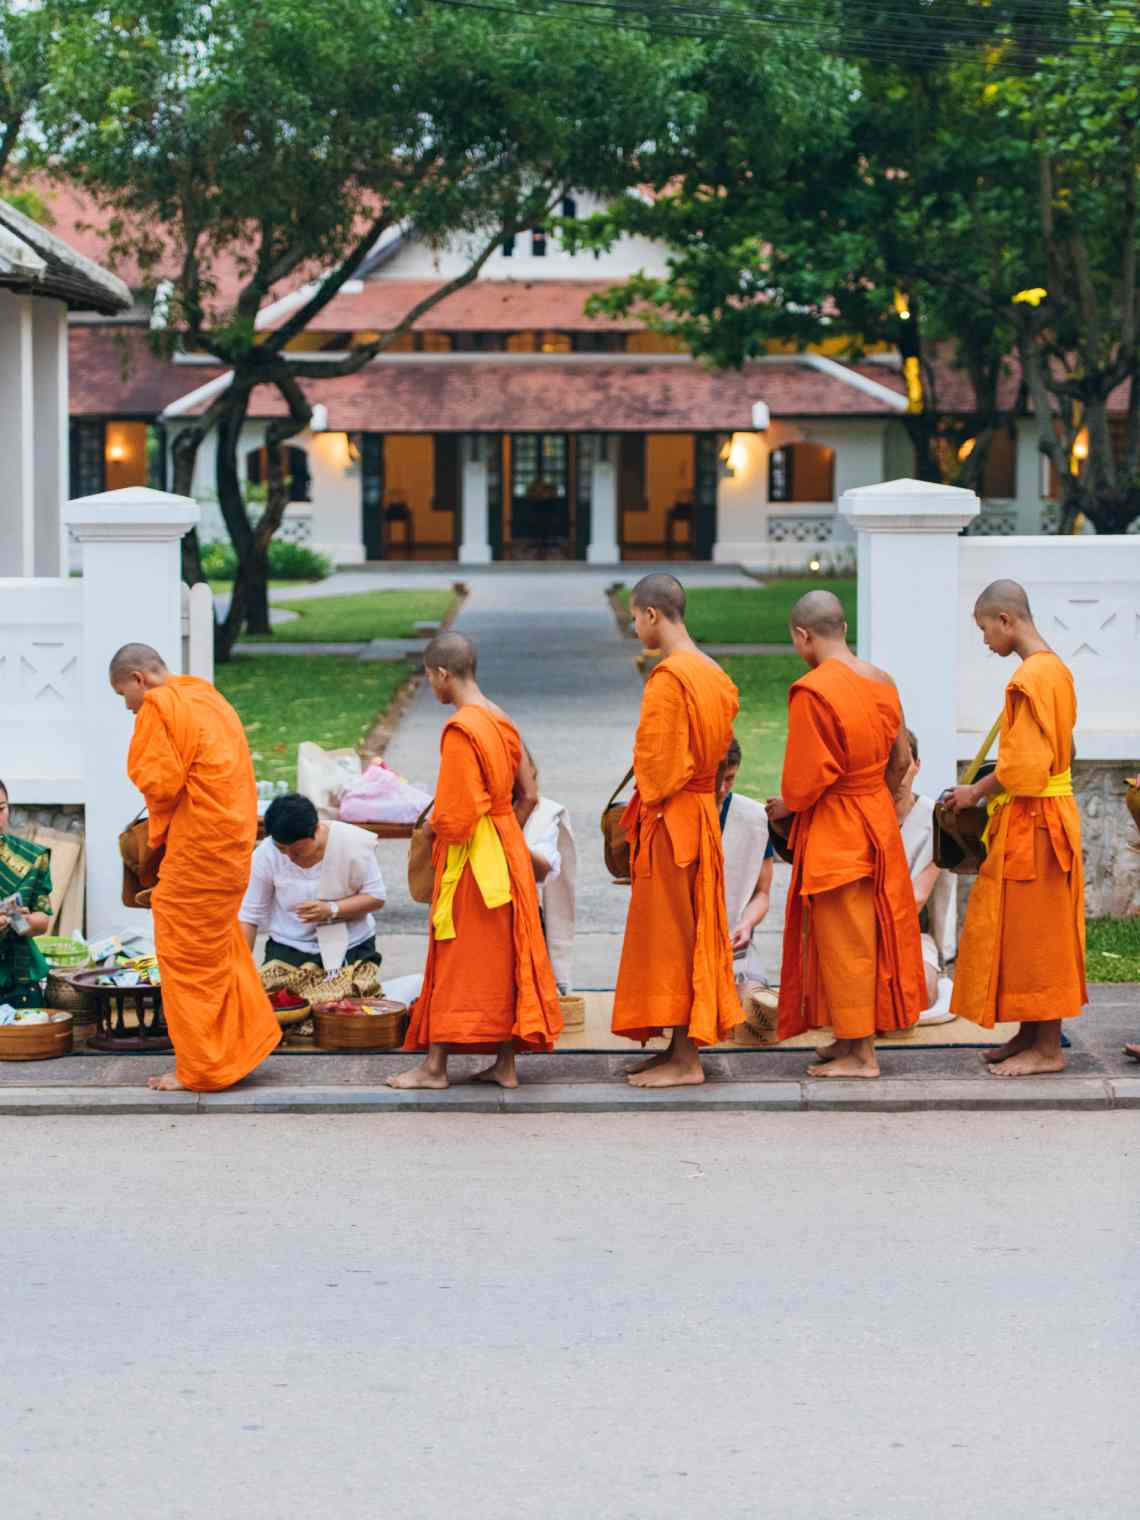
(323,774)
(381,796)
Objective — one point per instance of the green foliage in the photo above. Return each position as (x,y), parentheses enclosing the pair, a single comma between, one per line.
(282,700)
(1113,949)
(757,615)
(964,154)
(287,562)
(357,619)
(762,724)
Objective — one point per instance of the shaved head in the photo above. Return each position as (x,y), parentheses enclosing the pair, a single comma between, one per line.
(663,593)
(136,659)
(1003,596)
(821,613)
(453,652)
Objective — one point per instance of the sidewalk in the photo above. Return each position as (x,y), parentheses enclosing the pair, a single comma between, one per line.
(1098,1077)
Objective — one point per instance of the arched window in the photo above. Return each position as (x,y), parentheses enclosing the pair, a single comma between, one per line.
(801,472)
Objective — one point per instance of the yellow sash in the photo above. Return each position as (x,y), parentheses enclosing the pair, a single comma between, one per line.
(1060,785)
(484,852)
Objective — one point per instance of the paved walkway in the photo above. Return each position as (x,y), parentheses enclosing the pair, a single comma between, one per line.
(551,654)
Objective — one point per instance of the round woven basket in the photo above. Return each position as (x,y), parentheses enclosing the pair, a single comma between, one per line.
(36,1042)
(64,994)
(384,1030)
(573,1012)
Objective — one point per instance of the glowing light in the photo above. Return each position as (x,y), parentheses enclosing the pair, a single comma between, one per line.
(116,453)
(1081,444)
(902,305)
(737,457)
(967,448)
(815,566)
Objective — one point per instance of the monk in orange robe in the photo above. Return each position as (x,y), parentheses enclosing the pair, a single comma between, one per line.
(190,760)
(488,982)
(852,950)
(1022,954)
(676,959)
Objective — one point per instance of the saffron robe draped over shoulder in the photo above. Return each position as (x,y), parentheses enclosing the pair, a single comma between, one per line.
(852,953)
(676,959)
(190,760)
(492,981)
(1022,955)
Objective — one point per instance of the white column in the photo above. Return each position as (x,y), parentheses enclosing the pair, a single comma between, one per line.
(907,532)
(603,548)
(17,438)
(49,399)
(474,548)
(742,502)
(132,593)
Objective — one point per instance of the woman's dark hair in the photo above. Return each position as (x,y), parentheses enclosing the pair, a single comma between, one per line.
(4,789)
(290,819)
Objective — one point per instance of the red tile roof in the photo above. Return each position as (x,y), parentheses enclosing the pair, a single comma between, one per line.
(484,306)
(594,396)
(115,372)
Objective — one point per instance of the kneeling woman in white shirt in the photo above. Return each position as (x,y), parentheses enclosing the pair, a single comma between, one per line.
(314,886)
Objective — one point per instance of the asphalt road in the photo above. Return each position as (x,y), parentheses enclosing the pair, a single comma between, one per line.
(816,1316)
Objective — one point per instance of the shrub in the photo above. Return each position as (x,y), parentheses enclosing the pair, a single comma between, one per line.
(287,562)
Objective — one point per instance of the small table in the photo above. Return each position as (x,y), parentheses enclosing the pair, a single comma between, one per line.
(381,830)
(114,1035)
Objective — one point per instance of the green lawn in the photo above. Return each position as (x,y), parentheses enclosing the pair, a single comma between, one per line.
(762,726)
(356,619)
(224,588)
(1113,950)
(282,699)
(757,615)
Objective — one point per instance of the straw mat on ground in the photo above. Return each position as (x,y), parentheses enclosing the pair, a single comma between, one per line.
(596,1035)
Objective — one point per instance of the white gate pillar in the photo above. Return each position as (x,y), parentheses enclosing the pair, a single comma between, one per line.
(907,533)
(49,404)
(132,593)
(474,544)
(17,436)
(603,548)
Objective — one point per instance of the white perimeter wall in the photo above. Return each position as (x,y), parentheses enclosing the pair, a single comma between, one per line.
(1085,595)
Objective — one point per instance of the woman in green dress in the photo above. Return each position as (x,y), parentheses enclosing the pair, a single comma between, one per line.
(25,871)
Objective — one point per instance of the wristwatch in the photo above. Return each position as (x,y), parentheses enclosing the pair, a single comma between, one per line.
(335,910)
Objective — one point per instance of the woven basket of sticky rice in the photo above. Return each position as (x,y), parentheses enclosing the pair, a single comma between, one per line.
(573,1012)
(369,1023)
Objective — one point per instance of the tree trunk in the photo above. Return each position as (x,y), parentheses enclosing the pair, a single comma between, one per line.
(231,500)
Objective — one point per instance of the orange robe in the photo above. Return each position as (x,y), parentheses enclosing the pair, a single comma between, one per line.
(852,952)
(190,760)
(493,982)
(1022,955)
(676,959)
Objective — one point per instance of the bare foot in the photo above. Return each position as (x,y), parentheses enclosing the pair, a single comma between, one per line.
(836,1051)
(168,1082)
(503,1073)
(669,1073)
(1022,1040)
(1030,1063)
(419,1076)
(658,1060)
(845,1066)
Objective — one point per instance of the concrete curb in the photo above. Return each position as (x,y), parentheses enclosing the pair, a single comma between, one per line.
(885,1096)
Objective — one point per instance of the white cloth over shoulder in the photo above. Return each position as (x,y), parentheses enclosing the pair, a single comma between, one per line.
(277,888)
(745,840)
(941,905)
(548,833)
